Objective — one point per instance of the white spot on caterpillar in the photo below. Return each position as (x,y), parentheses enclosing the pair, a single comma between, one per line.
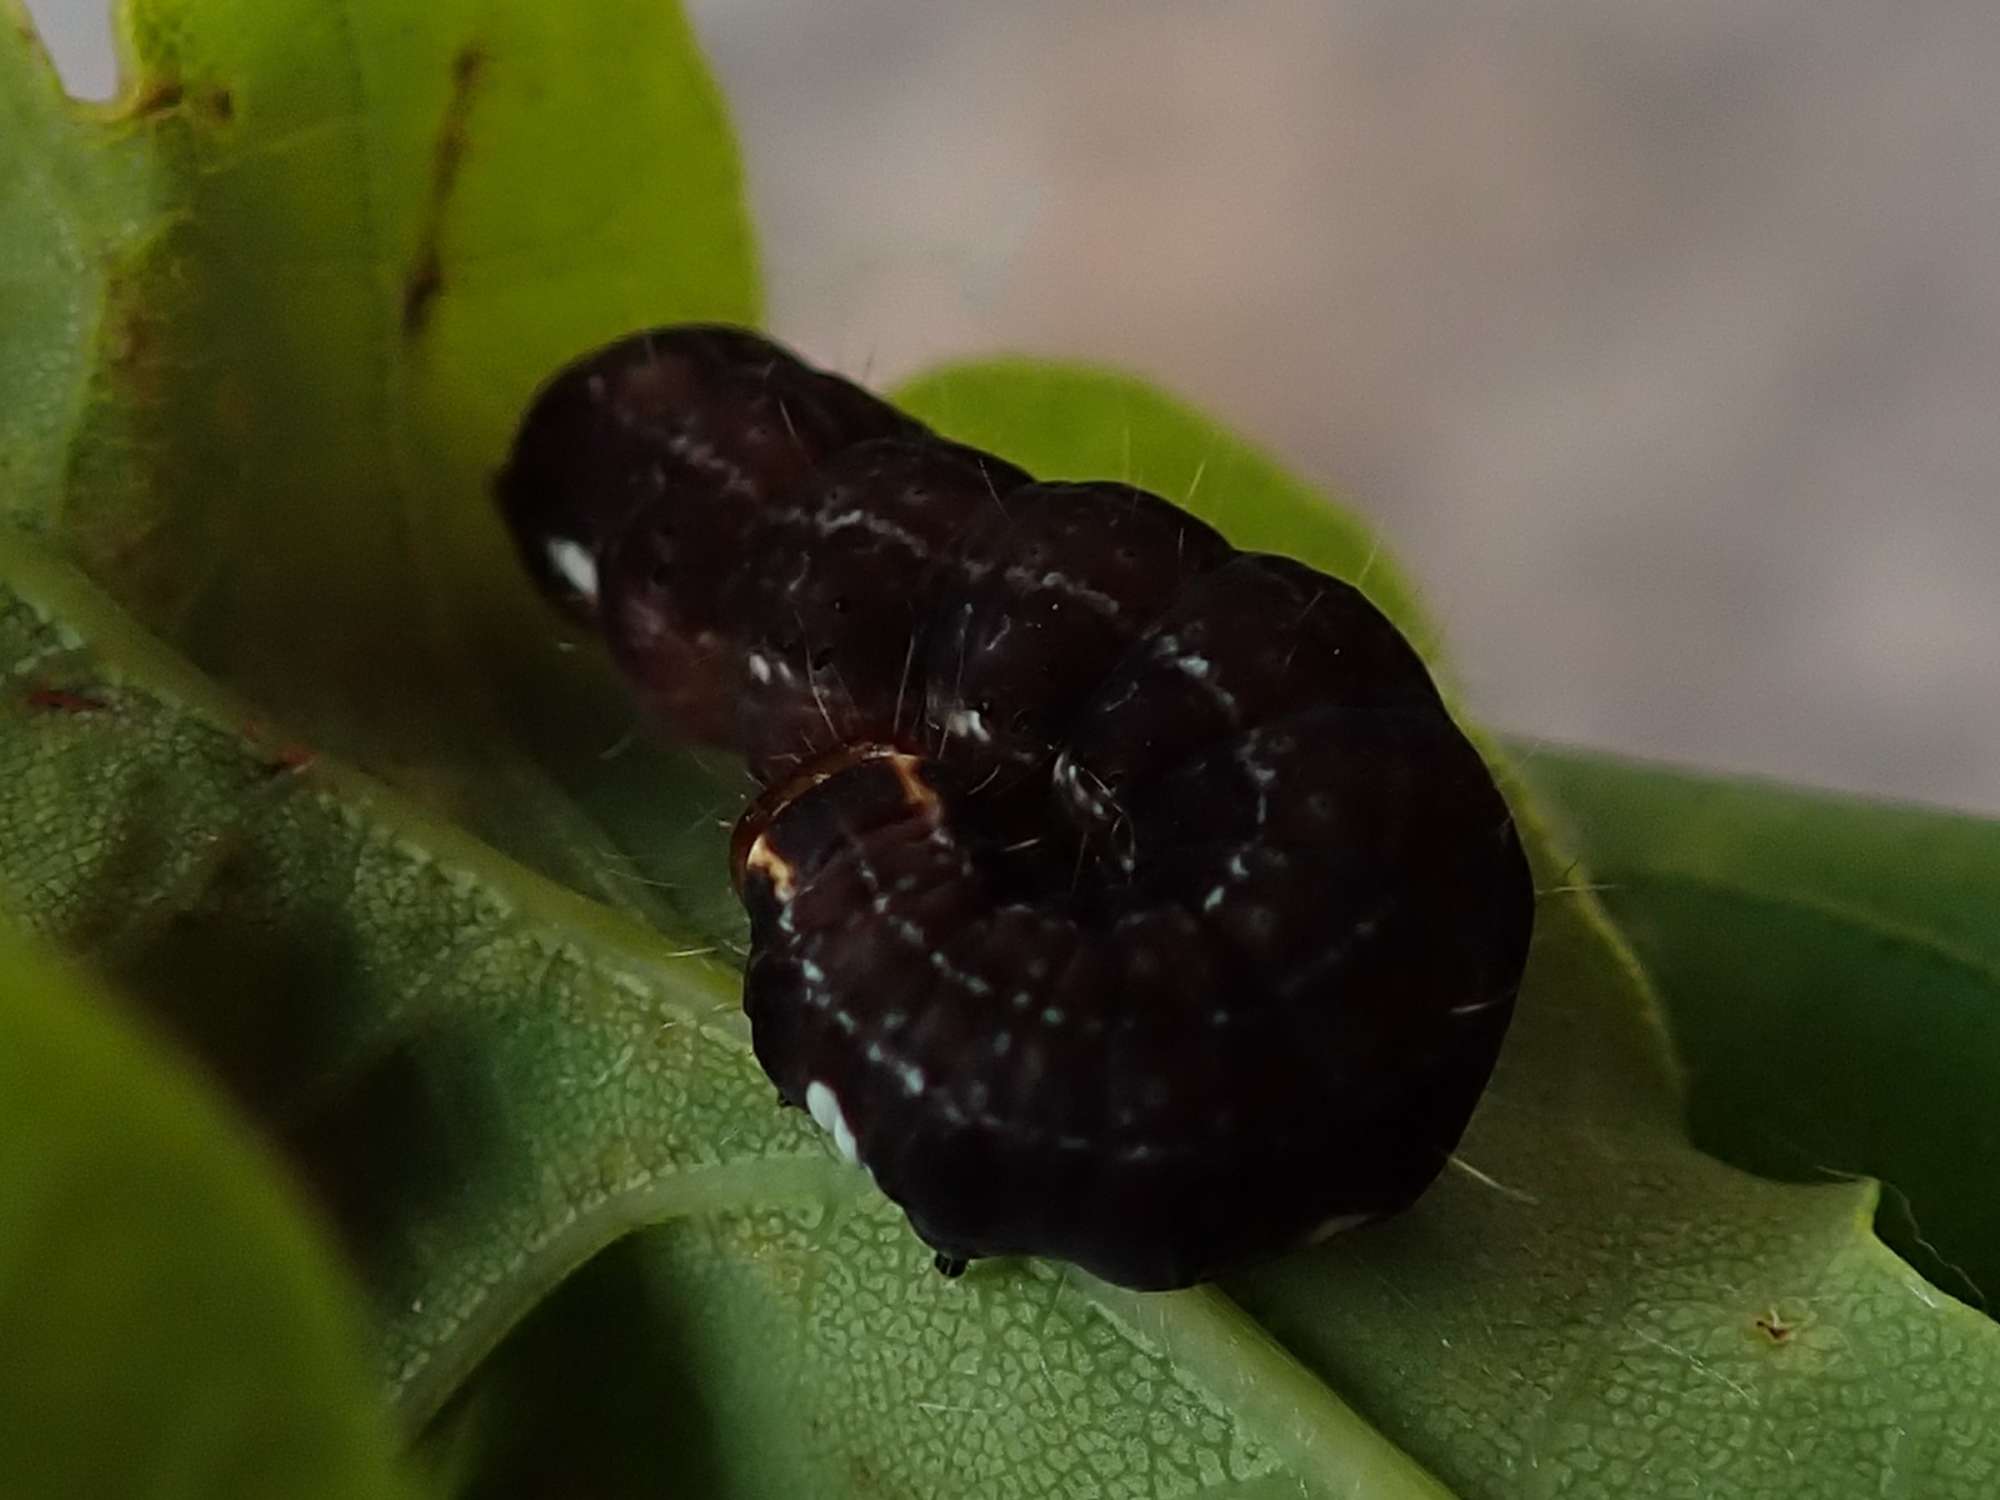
(760,668)
(913,1078)
(1069,587)
(1125,695)
(876,526)
(969,722)
(825,1110)
(821,1105)
(574,565)
(971,983)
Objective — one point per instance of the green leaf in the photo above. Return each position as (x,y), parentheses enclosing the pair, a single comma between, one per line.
(488,1077)
(72,197)
(171,1326)
(272,318)
(1832,967)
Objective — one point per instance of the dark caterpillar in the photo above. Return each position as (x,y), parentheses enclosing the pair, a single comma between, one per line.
(1115,895)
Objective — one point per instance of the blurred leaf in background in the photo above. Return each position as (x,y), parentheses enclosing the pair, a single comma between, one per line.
(171,1326)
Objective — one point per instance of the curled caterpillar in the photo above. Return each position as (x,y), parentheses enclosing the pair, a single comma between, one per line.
(1115,895)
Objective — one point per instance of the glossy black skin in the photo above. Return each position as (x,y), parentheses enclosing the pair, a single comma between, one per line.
(1136,897)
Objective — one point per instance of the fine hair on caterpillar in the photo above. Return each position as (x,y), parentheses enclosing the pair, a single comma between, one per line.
(1115,895)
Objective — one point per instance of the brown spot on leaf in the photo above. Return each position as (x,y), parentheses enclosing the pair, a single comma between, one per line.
(420,290)
(130,338)
(132,335)
(64,701)
(156,96)
(1775,1328)
(220,104)
(287,757)
(426,279)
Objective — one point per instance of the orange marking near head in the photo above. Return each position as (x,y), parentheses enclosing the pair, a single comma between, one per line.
(767,862)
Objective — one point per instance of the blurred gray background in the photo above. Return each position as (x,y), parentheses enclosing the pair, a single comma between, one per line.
(1660,337)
